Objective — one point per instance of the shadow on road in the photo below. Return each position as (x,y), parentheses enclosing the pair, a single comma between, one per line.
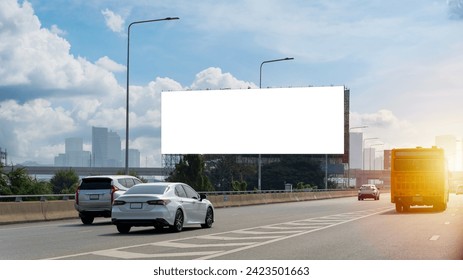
(140,231)
(414,210)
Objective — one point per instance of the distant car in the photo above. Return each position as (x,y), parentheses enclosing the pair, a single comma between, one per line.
(161,204)
(368,191)
(459,190)
(95,195)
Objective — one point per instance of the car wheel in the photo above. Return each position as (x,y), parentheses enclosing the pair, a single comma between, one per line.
(398,207)
(209,219)
(87,220)
(123,228)
(178,222)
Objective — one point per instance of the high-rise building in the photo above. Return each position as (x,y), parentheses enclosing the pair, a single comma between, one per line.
(113,150)
(355,143)
(73,151)
(74,154)
(106,148)
(99,146)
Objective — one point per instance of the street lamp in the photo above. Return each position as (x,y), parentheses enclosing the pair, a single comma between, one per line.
(259,161)
(127,89)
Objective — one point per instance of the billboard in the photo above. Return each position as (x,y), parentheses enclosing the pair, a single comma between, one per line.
(305,120)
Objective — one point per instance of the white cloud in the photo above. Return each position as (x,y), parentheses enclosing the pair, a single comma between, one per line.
(38,62)
(213,78)
(113,21)
(56,30)
(110,65)
(29,128)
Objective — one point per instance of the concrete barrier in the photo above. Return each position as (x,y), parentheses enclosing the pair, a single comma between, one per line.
(33,211)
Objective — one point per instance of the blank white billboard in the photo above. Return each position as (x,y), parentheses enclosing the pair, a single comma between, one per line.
(307,120)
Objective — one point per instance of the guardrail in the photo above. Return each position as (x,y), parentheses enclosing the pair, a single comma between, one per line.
(36,197)
(61,206)
(45,197)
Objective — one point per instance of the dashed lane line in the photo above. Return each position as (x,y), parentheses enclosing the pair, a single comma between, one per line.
(434,238)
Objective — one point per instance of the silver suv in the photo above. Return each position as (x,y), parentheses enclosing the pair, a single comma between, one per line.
(95,195)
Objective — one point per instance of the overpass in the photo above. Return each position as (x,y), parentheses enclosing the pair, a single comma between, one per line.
(87,171)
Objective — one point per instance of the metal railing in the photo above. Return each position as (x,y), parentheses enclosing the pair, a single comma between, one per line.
(45,197)
(36,197)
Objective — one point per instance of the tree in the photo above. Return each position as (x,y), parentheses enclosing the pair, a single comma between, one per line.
(239,186)
(64,181)
(222,170)
(190,170)
(292,169)
(3,181)
(18,182)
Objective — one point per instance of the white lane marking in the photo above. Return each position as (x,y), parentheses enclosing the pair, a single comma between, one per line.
(189,245)
(247,231)
(130,255)
(243,246)
(297,229)
(225,238)
(207,257)
(434,237)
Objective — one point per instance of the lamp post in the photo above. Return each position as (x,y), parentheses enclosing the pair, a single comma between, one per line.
(259,160)
(127,89)
(348,156)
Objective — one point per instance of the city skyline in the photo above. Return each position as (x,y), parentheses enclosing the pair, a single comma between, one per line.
(106,151)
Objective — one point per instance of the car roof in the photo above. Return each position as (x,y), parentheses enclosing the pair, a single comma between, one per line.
(110,176)
(161,183)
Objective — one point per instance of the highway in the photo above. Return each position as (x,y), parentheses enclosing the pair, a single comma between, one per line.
(332,229)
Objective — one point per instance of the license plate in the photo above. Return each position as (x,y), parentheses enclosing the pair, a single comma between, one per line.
(94,197)
(135,205)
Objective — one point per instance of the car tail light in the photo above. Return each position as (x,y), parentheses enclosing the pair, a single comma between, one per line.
(113,190)
(118,202)
(158,202)
(77,196)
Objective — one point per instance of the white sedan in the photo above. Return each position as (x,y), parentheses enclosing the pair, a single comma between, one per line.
(160,205)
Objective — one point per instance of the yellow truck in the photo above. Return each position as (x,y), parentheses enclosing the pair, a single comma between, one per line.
(419,177)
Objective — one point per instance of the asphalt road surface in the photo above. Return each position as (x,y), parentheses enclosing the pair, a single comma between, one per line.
(332,229)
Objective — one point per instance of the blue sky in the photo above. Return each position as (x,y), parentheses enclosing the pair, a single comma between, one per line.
(62,64)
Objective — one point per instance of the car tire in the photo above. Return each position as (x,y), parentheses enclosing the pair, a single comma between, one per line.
(123,228)
(399,207)
(87,220)
(209,218)
(178,222)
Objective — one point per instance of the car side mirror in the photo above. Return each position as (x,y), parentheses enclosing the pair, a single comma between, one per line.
(202,196)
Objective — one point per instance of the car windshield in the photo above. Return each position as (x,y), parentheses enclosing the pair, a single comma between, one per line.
(95,183)
(147,189)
